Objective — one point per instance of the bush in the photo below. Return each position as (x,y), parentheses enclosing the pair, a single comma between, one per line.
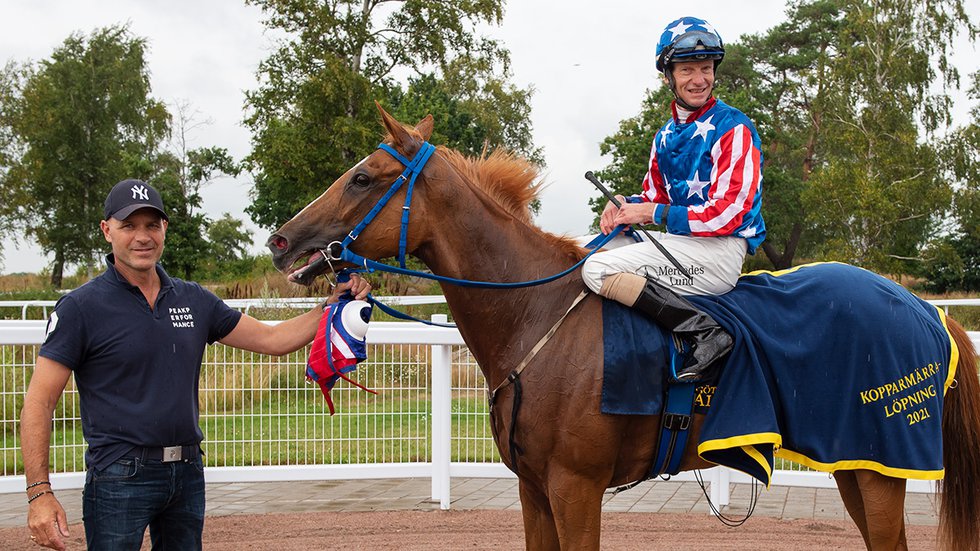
(943,269)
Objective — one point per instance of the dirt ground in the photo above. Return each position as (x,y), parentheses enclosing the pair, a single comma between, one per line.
(495,530)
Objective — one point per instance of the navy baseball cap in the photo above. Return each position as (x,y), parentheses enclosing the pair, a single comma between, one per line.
(131,195)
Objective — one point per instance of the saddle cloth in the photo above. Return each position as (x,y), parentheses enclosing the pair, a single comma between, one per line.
(635,355)
(833,367)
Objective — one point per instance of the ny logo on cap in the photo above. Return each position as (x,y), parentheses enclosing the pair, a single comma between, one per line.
(139,192)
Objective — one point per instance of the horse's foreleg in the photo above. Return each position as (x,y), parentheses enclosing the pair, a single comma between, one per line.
(576,503)
(883,498)
(540,532)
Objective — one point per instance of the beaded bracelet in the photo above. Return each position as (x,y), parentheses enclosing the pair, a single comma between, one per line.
(37,495)
(40,483)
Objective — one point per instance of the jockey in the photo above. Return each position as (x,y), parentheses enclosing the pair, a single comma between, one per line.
(704,185)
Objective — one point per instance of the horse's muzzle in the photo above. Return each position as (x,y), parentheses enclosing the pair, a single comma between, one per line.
(279,246)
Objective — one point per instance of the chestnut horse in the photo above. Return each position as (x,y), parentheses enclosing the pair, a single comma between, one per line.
(469,219)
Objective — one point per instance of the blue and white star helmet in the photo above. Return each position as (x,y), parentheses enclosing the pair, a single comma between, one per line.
(689,39)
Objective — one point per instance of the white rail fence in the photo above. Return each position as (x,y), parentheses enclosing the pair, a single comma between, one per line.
(263,422)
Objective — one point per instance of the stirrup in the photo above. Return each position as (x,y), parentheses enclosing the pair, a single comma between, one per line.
(679,351)
(689,377)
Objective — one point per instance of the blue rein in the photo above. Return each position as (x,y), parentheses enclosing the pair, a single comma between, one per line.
(412,170)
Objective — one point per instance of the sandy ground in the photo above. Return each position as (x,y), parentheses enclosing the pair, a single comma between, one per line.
(494,529)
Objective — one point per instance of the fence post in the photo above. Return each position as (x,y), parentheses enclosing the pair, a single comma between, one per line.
(720,479)
(724,486)
(441,418)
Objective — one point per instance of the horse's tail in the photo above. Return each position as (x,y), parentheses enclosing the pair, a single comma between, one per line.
(959,510)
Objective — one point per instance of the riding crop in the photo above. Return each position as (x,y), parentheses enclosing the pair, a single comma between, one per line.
(612,198)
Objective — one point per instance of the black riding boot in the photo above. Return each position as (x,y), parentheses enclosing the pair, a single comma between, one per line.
(707,340)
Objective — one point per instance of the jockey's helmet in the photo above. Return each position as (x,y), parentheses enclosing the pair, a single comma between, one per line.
(689,39)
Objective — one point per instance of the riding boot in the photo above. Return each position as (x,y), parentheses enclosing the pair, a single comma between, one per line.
(707,341)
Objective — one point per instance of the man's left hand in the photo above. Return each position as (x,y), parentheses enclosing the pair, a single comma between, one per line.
(357,285)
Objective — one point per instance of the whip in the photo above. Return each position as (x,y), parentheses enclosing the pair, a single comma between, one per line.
(612,198)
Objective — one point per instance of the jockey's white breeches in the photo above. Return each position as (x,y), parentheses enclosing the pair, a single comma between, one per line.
(714,262)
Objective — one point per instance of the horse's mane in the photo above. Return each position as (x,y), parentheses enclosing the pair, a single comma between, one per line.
(509,180)
(512,182)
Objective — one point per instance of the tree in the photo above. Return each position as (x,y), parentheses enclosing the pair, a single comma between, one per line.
(86,121)
(497,116)
(179,173)
(313,115)
(228,252)
(12,199)
(229,239)
(790,70)
(874,197)
(952,259)
(302,143)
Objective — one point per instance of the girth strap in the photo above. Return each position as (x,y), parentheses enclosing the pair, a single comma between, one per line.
(675,423)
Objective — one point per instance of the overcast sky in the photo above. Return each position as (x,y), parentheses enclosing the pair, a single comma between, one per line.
(589,63)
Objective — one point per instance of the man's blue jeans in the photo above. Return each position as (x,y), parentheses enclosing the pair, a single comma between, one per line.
(121,500)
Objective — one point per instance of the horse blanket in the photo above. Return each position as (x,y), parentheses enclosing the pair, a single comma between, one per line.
(833,367)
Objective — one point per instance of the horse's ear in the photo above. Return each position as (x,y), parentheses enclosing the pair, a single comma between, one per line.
(399,135)
(424,127)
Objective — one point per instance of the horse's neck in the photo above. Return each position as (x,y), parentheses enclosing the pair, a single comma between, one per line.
(500,326)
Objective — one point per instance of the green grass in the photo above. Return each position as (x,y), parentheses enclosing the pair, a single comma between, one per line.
(968,316)
(291,431)
(368,429)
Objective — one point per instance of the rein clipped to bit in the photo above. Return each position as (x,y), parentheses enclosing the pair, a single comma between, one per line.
(340,250)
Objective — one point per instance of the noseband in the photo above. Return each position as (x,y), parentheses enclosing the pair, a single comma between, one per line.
(412,170)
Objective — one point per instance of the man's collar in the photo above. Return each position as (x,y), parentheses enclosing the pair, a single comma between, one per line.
(116,277)
(696,114)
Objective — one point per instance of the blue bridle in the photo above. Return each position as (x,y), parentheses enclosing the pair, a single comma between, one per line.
(411,173)
(412,170)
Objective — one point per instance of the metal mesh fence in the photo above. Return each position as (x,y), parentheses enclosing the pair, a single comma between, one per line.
(260,410)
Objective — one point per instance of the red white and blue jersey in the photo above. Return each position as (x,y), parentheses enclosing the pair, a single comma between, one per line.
(709,170)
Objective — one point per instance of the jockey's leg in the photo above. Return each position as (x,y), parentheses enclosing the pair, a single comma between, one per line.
(707,340)
(640,277)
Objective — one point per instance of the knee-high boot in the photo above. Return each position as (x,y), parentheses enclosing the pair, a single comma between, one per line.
(707,340)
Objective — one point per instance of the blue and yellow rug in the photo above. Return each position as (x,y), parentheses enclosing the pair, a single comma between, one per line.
(834,367)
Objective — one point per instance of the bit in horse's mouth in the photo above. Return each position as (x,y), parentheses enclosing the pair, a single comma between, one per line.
(312,265)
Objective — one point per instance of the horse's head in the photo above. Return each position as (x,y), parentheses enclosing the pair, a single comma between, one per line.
(301,245)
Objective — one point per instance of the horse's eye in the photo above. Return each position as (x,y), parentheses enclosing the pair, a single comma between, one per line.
(360,179)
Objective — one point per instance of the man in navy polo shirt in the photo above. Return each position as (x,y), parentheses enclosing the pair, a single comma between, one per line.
(134,338)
